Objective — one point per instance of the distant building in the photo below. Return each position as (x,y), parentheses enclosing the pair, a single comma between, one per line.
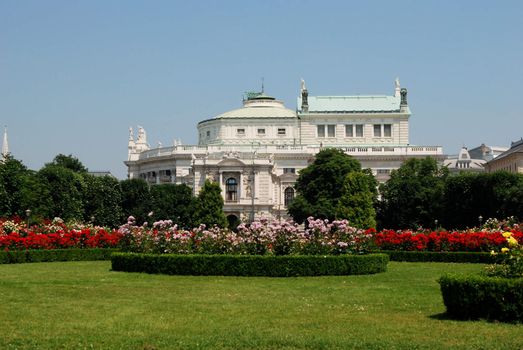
(510,160)
(464,163)
(486,152)
(100,173)
(256,152)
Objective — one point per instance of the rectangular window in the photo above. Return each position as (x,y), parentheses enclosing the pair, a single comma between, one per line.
(208,133)
(387,130)
(359,130)
(281,131)
(261,131)
(349,130)
(331,130)
(240,131)
(321,130)
(377,130)
(289,170)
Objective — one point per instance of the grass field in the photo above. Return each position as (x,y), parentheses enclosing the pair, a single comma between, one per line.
(84,305)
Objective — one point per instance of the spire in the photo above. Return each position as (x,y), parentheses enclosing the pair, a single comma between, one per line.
(5,145)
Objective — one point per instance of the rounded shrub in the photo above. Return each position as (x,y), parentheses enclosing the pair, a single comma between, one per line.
(483,297)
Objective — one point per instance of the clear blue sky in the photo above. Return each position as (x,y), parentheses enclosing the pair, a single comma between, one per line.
(74,75)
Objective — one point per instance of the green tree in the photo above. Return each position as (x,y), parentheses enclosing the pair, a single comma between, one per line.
(356,203)
(175,202)
(66,189)
(102,200)
(5,202)
(494,195)
(136,199)
(413,196)
(507,188)
(69,162)
(209,206)
(36,196)
(12,177)
(321,185)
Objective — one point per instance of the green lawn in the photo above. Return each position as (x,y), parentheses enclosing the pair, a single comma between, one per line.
(84,305)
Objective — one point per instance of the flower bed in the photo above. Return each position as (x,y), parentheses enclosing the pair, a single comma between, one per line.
(15,235)
(447,257)
(443,241)
(86,238)
(259,249)
(259,238)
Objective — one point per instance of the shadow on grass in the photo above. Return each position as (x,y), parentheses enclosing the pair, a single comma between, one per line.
(443,316)
(446,317)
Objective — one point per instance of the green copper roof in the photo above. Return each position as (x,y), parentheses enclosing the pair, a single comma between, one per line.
(252,95)
(352,104)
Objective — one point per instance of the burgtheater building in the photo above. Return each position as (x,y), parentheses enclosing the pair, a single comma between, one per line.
(256,152)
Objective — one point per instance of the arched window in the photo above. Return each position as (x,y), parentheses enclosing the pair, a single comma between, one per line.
(288,196)
(231,190)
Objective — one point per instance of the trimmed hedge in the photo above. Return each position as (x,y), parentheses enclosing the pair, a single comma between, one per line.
(250,265)
(73,254)
(454,257)
(482,297)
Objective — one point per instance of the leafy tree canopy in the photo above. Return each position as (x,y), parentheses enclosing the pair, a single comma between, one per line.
(209,206)
(175,202)
(413,196)
(489,195)
(12,177)
(357,201)
(322,184)
(136,199)
(102,201)
(69,162)
(66,189)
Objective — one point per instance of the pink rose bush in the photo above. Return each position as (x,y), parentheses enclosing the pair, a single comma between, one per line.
(260,237)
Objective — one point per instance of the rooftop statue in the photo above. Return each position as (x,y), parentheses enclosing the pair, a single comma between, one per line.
(142,137)
(131,135)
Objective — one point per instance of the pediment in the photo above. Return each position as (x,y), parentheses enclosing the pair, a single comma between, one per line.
(288,177)
(231,162)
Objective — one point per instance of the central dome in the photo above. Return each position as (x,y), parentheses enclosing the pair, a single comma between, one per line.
(259,105)
(262,119)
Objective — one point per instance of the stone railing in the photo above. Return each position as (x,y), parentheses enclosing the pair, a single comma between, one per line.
(201,151)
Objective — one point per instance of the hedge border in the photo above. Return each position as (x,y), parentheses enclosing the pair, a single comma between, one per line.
(483,297)
(450,257)
(250,265)
(49,255)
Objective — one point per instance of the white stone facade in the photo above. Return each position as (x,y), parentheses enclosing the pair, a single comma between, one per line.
(511,160)
(463,162)
(256,152)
